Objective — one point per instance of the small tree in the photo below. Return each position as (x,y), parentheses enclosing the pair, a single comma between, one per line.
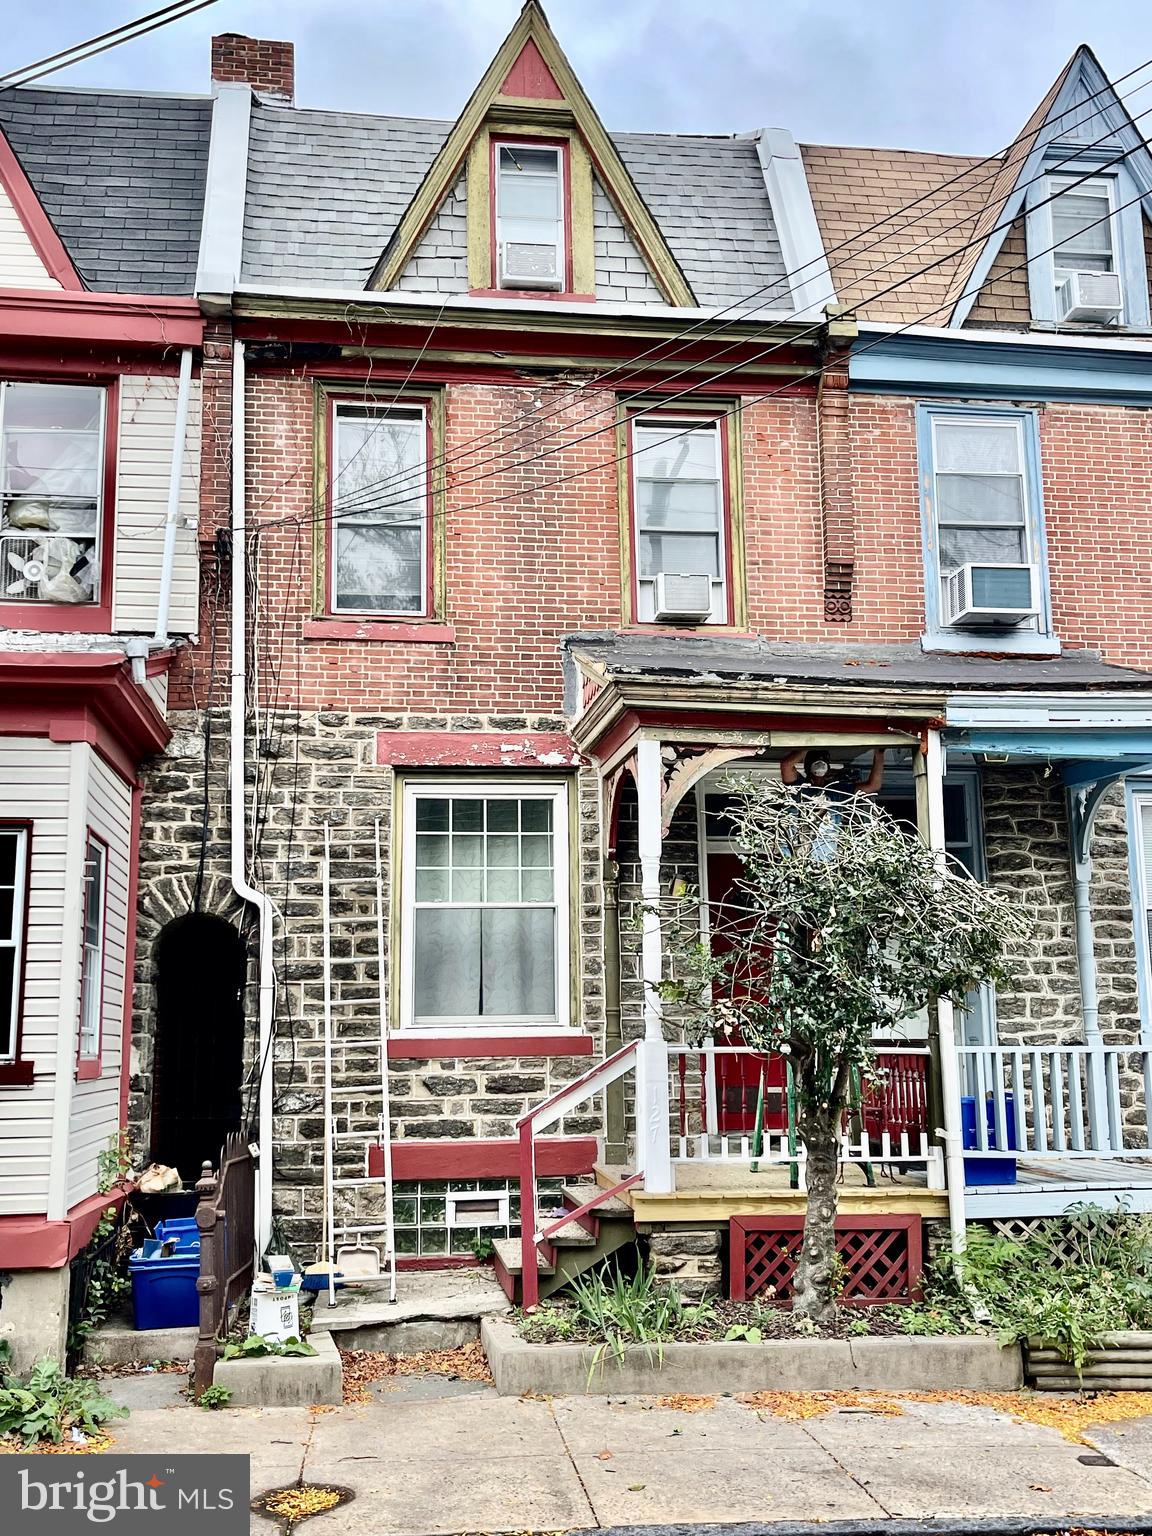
(843,923)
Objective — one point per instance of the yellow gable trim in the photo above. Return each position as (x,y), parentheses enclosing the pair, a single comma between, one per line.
(596,149)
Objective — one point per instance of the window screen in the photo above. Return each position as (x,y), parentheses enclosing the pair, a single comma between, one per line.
(380,509)
(981,495)
(679,499)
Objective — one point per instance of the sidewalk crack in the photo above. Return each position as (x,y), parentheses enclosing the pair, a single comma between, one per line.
(575,1468)
(850,1475)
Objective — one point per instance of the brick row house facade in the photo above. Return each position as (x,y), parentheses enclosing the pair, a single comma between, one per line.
(547,473)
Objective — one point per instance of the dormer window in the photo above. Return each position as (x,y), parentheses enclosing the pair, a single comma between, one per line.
(1085,237)
(530,234)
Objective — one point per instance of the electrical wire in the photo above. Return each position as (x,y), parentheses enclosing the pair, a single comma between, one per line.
(467,449)
(125,33)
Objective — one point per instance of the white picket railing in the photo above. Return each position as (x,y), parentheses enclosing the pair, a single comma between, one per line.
(1062,1101)
(714,1091)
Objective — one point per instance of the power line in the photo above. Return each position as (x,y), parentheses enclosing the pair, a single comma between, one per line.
(736,368)
(472,445)
(125,33)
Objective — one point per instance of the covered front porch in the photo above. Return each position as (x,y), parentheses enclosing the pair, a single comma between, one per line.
(1013,1106)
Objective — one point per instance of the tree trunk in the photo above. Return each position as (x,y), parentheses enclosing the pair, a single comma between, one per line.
(814,1291)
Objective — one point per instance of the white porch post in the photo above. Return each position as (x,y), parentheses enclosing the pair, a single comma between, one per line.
(653,1133)
(930,796)
(1083,804)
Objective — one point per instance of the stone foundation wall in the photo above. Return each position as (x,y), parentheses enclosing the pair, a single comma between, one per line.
(311,770)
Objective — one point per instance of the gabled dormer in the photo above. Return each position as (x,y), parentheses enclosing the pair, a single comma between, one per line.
(529,197)
(1061,240)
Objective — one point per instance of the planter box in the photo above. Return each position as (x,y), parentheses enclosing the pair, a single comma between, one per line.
(1123,1363)
(793,1365)
(284,1381)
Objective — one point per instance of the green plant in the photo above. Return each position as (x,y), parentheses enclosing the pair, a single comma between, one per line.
(254,1347)
(47,1405)
(621,1310)
(482,1246)
(857,1326)
(106,1282)
(549,1324)
(214,1397)
(114,1163)
(747,1332)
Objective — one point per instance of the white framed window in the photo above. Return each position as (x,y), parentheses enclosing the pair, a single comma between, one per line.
(1086,218)
(476,1208)
(13,913)
(51,492)
(530,234)
(485,905)
(1083,237)
(680,508)
(92,953)
(379,555)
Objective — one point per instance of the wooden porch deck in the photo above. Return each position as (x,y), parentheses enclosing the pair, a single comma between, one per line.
(1048,1186)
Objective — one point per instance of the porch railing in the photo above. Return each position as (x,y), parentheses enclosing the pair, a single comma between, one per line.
(732,1105)
(226,1220)
(1066,1101)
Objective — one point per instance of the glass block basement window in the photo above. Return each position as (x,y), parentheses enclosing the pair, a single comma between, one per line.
(421,1214)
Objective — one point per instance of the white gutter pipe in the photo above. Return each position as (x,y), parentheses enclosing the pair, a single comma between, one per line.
(175,475)
(239,863)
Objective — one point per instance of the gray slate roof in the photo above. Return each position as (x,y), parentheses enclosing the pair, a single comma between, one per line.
(890,666)
(327,189)
(121,176)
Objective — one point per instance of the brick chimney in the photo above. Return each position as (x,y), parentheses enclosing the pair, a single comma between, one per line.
(268,67)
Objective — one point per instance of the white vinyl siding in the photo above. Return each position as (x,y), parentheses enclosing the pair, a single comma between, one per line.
(95,1114)
(34,781)
(20,263)
(144,464)
(486,899)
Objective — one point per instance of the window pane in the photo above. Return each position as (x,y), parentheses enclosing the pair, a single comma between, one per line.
(664,451)
(379,568)
(7,911)
(432,885)
(989,447)
(7,1000)
(467,851)
(519,961)
(680,554)
(380,458)
(995,546)
(432,815)
(502,815)
(57,407)
(503,884)
(536,815)
(467,815)
(503,852)
(536,852)
(431,850)
(467,884)
(447,963)
(526,160)
(536,885)
(52,463)
(980,498)
(1082,221)
(529,197)
(690,505)
(9,845)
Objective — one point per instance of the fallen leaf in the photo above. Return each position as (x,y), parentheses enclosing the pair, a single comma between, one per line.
(1039,1487)
(604,1456)
(636,1487)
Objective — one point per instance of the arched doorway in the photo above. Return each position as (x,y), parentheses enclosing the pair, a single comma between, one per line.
(198,1060)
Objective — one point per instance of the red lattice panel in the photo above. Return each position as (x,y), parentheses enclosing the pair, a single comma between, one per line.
(883,1257)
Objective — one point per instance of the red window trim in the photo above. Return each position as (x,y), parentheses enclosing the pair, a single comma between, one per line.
(79,618)
(530,141)
(91,1066)
(357,616)
(19,1072)
(703,414)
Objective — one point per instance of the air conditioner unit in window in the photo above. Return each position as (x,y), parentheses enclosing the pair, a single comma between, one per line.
(682,599)
(1092,297)
(529,266)
(991,596)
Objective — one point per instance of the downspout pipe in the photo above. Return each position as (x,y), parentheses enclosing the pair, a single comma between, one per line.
(171,520)
(237,817)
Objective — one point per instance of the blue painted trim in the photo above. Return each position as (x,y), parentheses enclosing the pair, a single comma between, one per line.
(938,636)
(970,369)
(1127,234)
(1136,790)
(1035,1200)
(1115,751)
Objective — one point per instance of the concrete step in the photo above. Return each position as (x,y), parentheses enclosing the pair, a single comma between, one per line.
(612,1209)
(570,1235)
(508,1254)
(434,1309)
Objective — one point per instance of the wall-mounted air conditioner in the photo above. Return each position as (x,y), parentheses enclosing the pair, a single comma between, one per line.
(989,596)
(1090,297)
(530,266)
(682,599)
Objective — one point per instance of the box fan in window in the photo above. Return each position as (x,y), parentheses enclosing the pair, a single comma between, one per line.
(47,568)
(524,265)
(990,596)
(682,599)
(1090,297)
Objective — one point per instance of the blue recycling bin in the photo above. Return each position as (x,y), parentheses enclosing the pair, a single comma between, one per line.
(985,1169)
(184,1230)
(164,1290)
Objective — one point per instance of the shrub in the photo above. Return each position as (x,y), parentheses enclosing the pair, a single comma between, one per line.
(623,1310)
(214,1397)
(47,1405)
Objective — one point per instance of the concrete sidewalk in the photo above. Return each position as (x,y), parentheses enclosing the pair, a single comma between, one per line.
(430,1456)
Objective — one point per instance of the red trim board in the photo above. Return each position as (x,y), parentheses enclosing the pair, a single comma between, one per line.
(435,1047)
(479,749)
(458,1158)
(34,1242)
(37,225)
